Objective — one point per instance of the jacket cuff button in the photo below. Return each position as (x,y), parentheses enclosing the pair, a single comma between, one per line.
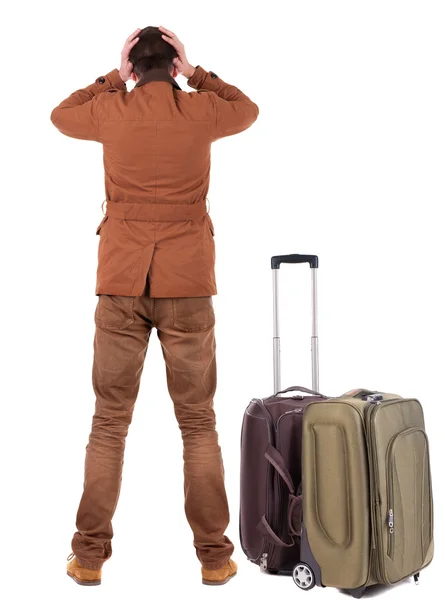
(101,80)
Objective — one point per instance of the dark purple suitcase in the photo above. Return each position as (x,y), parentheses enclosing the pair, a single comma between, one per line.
(270,506)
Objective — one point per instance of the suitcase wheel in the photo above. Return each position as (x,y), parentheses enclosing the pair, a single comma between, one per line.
(303,576)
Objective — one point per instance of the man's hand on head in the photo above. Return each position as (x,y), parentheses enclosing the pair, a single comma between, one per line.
(181,62)
(126,67)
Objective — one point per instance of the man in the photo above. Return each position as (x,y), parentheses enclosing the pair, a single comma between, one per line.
(156,270)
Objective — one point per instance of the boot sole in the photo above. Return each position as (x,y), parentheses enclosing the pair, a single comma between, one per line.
(83,582)
(223,582)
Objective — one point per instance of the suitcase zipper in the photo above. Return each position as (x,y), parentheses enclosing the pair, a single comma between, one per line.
(263,561)
(390,496)
(390,487)
(390,531)
(289,412)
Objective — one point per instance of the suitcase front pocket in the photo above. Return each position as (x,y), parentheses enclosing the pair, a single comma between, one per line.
(409,509)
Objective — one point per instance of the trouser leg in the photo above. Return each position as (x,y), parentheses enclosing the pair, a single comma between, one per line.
(186,331)
(120,345)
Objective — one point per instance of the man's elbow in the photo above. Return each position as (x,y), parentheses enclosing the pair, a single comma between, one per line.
(60,120)
(251,114)
(55,117)
(255,111)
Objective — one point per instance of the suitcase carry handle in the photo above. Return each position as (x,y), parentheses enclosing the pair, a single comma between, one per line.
(276,261)
(298,388)
(312,259)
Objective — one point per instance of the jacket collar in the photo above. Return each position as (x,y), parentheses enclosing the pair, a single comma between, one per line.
(157,75)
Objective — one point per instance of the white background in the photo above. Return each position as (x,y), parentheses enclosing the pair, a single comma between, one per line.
(346,161)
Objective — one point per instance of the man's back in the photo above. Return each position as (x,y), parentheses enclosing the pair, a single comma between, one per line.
(157,138)
(156,143)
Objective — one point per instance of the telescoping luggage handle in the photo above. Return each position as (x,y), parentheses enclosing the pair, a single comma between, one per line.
(276,261)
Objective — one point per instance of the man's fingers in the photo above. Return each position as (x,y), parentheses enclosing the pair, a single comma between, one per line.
(173,42)
(135,33)
(167,31)
(128,46)
(168,39)
(172,39)
(133,43)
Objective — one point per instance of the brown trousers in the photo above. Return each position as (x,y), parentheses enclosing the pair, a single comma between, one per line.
(186,332)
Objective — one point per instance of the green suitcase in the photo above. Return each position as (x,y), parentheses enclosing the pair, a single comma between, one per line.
(367,498)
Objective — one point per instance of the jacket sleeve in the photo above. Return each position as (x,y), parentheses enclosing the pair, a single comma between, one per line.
(233,111)
(77,116)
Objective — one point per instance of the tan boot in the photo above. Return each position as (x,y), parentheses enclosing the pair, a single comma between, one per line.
(81,575)
(219,576)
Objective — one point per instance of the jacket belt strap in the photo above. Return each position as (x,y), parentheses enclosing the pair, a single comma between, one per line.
(156,212)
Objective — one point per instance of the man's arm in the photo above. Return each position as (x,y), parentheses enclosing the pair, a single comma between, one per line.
(77,115)
(234,111)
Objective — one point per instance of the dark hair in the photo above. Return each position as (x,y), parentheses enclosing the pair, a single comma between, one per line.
(151,52)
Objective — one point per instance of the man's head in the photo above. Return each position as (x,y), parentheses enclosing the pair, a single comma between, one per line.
(152,52)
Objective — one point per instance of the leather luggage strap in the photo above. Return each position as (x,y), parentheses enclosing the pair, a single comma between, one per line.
(277,461)
(269,534)
(156,212)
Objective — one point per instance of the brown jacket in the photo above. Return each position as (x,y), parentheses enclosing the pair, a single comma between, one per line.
(156,143)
